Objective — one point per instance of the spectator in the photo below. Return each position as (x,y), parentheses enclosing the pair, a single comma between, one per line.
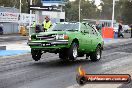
(46,24)
(32,28)
(1,29)
(120,30)
(103,25)
(33,24)
(131,30)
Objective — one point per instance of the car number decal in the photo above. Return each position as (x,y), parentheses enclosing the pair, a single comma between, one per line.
(46,44)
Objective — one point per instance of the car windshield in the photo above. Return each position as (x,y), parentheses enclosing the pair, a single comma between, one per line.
(65,27)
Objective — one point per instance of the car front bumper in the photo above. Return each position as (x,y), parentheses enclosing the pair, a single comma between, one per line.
(48,44)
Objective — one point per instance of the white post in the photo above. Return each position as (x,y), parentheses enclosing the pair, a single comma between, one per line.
(113,13)
(30,19)
(20,10)
(79,13)
(20,5)
(31,4)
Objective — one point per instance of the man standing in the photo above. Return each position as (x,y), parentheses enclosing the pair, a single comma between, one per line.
(131,30)
(1,29)
(46,24)
(33,26)
(120,30)
(99,28)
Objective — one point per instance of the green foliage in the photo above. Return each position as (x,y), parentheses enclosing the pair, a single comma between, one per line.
(127,12)
(88,10)
(122,10)
(71,10)
(106,12)
(8,3)
(15,3)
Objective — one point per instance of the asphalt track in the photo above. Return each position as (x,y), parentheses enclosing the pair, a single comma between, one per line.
(51,72)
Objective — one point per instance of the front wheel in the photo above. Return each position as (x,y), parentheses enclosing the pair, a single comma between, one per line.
(73,51)
(36,54)
(96,56)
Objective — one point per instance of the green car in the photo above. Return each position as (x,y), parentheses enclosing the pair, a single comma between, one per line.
(70,40)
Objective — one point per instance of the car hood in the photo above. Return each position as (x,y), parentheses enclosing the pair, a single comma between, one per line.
(53,32)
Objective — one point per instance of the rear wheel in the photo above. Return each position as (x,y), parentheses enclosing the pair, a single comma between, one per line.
(36,54)
(96,56)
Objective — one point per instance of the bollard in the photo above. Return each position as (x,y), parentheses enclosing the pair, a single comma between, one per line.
(115,35)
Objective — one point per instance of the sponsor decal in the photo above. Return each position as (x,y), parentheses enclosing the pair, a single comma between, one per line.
(9,17)
(82,78)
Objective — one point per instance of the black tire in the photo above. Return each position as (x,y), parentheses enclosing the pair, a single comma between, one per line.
(63,54)
(36,54)
(96,56)
(73,51)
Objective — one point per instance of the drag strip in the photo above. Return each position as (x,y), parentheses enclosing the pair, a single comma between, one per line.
(50,72)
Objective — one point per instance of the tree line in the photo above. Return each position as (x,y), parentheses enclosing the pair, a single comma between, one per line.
(123,10)
(88,9)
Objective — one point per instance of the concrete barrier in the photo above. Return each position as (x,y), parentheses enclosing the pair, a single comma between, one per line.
(2,47)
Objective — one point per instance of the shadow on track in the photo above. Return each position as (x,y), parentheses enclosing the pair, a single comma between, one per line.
(60,63)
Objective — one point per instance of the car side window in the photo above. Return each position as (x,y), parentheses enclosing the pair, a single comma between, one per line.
(84,29)
(92,30)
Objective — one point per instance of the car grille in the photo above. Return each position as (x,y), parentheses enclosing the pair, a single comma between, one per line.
(46,37)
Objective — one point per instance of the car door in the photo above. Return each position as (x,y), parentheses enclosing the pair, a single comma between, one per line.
(85,38)
(94,37)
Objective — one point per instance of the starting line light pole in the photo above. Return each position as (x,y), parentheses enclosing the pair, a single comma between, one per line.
(79,13)
(113,13)
(30,19)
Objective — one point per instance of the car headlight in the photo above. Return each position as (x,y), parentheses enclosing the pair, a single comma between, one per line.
(29,38)
(62,37)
